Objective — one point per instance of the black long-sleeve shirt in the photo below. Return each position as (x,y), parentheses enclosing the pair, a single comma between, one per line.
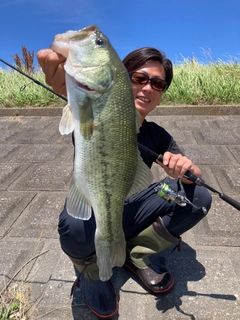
(157,139)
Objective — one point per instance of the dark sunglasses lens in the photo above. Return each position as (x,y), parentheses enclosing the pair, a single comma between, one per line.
(158,84)
(139,78)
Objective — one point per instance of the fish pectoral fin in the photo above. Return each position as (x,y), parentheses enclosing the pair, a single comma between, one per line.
(143,178)
(77,204)
(86,120)
(66,124)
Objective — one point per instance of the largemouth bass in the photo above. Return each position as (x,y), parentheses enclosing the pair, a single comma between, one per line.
(107,164)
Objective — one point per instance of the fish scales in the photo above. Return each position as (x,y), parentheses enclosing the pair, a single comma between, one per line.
(114,172)
(107,163)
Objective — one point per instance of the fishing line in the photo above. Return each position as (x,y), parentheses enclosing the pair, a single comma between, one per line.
(34,80)
(188,175)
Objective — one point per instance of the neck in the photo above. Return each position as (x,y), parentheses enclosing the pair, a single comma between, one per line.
(142,119)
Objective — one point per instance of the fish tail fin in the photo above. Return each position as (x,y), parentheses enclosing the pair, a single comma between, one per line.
(109,255)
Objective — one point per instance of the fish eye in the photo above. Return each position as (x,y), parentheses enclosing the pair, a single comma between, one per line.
(100,41)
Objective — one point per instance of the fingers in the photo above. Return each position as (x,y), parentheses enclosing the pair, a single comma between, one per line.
(52,65)
(175,164)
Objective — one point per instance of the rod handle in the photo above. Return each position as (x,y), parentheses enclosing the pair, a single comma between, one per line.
(188,175)
(192,177)
(231,201)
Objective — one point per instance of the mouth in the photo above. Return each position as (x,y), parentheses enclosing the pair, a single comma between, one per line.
(82,37)
(83,86)
(143,99)
(79,84)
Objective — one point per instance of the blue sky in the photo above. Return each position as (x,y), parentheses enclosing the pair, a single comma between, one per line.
(206,29)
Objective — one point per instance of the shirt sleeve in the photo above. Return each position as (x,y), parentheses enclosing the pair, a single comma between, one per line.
(157,139)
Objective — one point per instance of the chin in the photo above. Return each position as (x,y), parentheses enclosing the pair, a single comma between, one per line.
(143,110)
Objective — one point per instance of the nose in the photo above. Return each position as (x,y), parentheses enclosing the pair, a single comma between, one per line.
(147,86)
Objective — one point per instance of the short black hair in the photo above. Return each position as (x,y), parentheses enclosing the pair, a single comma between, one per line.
(139,57)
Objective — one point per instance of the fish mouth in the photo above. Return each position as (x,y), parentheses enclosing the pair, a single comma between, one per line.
(84,34)
(91,28)
(83,86)
(79,84)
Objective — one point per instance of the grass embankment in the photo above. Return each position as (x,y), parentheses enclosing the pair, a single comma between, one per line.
(194,83)
(204,84)
(13,93)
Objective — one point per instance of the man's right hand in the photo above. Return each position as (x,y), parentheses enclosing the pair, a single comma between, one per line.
(52,65)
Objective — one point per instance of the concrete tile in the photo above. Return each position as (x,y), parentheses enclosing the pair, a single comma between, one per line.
(12,204)
(7,123)
(220,227)
(33,123)
(44,176)
(228,178)
(10,172)
(34,182)
(235,150)
(158,173)
(15,253)
(216,137)
(38,137)
(9,136)
(40,218)
(202,289)
(43,153)
(200,154)
(223,122)
(7,151)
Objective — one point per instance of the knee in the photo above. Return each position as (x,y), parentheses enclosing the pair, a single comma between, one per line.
(202,198)
(76,236)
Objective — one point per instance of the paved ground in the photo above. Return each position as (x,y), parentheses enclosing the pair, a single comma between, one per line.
(35,170)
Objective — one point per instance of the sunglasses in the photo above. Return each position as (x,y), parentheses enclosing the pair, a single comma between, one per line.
(142,79)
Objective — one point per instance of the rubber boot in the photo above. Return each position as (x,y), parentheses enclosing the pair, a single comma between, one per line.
(100,295)
(150,241)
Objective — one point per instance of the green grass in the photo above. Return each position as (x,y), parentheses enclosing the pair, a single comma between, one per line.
(204,84)
(194,83)
(13,303)
(33,95)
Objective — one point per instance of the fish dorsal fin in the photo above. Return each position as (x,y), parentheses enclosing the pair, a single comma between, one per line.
(77,204)
(66,124)
(143,177)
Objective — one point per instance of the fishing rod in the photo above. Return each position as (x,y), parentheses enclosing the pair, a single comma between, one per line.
(188,175)
(195,179)
(34,80)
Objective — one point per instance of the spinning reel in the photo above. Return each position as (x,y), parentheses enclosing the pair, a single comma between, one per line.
(164,191)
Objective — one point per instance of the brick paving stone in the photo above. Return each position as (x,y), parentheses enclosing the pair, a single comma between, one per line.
(35,171)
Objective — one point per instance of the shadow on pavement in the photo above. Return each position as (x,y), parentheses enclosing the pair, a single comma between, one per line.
(185,268)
